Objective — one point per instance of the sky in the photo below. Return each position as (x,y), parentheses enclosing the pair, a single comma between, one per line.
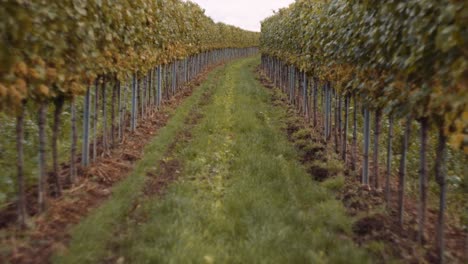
(246,14)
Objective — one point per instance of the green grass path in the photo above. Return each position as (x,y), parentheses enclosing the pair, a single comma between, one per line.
(242,196)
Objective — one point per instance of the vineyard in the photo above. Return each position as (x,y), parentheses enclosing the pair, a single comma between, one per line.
(55,53)
(145,132)
(403,66)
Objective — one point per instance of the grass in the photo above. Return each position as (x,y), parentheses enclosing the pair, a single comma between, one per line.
(90,237)
(243,197)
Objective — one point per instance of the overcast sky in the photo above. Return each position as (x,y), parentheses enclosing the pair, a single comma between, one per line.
(245,14)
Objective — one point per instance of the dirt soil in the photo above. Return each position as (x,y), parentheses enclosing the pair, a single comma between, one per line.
(377,221)
(49,231)
(168,170)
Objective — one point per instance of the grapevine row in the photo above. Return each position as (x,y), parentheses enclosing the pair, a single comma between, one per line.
(57,48)
(403,60)
(109,63)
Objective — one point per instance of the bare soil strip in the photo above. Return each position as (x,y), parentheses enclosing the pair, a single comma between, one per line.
(166,172)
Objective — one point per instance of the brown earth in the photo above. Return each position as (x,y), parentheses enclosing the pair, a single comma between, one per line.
(168,170)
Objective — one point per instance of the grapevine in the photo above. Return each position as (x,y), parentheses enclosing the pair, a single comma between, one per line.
(405,60)
(57,53)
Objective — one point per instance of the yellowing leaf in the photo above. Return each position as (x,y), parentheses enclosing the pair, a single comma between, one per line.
(42,90)
(21,87)
(3,90)
(21,69)
(457,140)
(465,116)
